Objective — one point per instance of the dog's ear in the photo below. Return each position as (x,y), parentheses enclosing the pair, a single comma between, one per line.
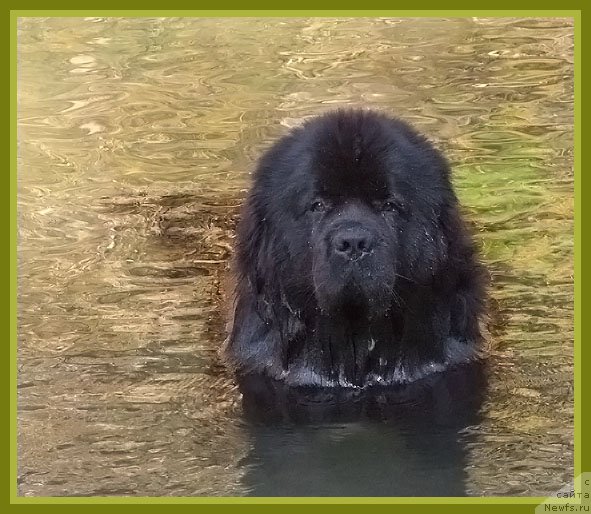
(254,342)
(461,274)
(254,257)
(468,306)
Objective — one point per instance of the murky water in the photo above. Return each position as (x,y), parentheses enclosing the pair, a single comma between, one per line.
(136,137)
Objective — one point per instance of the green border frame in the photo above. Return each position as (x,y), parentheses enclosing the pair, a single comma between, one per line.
(521,504)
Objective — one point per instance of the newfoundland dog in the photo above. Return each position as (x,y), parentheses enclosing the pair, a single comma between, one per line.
(354,266)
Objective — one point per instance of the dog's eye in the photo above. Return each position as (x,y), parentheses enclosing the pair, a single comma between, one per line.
(394,206)
(317,206)
(390,206)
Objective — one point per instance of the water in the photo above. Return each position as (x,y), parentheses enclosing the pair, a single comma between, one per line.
(136,138)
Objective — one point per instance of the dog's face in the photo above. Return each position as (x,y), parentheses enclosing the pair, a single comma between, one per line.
(355,220)
(354,265)
(359,212)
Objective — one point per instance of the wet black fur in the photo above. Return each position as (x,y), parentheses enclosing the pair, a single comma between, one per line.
(308,314)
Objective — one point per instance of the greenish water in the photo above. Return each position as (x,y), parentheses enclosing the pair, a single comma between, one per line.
(135,141)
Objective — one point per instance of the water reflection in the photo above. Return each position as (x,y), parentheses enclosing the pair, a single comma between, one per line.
(395,441)
(135,140)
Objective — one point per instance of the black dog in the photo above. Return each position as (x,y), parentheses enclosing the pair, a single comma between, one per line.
(354,266)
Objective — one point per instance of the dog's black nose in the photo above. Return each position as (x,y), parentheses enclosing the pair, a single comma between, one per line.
(353,243)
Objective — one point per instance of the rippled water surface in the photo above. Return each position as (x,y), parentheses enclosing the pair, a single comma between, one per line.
(136,138)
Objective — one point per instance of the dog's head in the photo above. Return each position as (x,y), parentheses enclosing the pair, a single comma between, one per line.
(358,204)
